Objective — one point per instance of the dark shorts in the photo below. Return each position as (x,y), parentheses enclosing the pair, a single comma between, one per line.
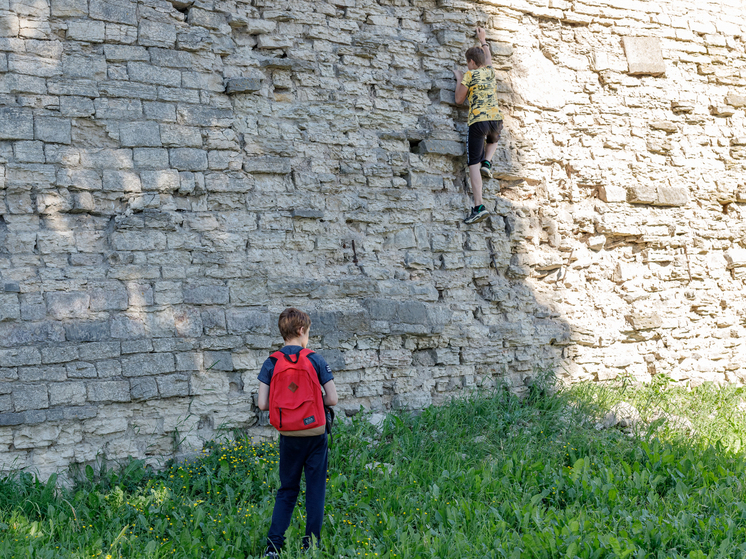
(489,129)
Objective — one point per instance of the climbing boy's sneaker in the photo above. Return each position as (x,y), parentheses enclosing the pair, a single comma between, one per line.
(271,553)
(486,169)
(478,213)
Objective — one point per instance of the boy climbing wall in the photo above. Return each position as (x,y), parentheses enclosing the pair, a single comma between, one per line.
(479,84)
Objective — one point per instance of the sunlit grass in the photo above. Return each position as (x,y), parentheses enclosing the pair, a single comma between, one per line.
(484,476)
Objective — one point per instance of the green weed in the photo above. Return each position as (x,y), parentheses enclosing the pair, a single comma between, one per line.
(484,476)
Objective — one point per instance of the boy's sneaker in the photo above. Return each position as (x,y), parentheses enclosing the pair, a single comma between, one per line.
(271,553)
(486,169)
(477,214)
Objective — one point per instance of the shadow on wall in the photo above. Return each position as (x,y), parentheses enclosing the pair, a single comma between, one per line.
(198,177)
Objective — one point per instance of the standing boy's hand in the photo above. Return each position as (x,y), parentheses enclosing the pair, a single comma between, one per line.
(459,75)
(481,35)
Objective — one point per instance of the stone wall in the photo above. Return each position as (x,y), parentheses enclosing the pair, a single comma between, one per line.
(173,174)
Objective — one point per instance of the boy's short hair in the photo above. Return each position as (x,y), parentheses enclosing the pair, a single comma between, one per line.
(476,55)
(291,320)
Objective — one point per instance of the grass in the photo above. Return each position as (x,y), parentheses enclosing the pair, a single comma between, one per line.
(486,476)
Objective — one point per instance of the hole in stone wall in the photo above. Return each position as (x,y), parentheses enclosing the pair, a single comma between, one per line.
(414,145)
(182,6)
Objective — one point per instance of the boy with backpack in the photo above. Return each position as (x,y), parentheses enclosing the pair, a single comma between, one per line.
(479,84)
(290,384)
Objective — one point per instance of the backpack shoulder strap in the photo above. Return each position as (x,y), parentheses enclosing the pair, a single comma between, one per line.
(277,355)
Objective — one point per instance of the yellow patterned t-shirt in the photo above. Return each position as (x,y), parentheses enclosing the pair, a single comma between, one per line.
(482,86)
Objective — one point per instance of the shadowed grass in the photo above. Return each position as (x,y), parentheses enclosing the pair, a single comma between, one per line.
(487,475)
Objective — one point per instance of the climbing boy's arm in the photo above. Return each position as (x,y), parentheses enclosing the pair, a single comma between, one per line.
(330,394)
(481,35)
(263,400)
(461,89)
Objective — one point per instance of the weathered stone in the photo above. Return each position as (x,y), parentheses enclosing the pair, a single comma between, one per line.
(148,364)
(108,391)
(644,321)
(170,386)
(30,397)
(17,357)
(441,147)
(144,388)
(16,124)
(644,55)
(68,393)
(215,294)
(242,85)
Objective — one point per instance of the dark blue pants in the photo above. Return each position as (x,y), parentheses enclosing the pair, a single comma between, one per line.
(300,454)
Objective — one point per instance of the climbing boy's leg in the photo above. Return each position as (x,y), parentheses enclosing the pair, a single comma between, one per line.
(476,183)
(476,153)
(493,136)
(292,456)
(315,470)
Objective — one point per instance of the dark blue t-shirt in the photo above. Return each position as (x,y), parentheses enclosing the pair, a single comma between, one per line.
(319,363)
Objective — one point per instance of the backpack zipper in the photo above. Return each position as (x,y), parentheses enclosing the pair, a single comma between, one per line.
(280,417)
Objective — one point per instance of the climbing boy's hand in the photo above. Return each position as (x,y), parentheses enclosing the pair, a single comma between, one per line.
(481,35)
(459,75)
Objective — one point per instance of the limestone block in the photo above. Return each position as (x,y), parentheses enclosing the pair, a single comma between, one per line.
(10,308)
(644,56)
(156,34)
(99,350)
(30,397)
(9,25)
(88,331)
(215,294)
(448,38)
(37,374)
(267,165)
(241,321)
(69,8)
(188,159)
(18,357)
(242,85)
(218,361)
(125,53)
(723,111)
(16,124)
(59,354)
(658,196)
(148,364)
(205,116)
(119,11)
(274,42)
(81,369)
(173,135)
(38,436)
(143,388)
(149,74)
(644,321)
(204,18)
(441,147)
(611,193)
(68,305)
(67,393)
(86,30)
(108,391)
(174,385)
(735,100)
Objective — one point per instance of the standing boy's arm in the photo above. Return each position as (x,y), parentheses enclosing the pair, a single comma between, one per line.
(481,35)
(263,400)
(330,394)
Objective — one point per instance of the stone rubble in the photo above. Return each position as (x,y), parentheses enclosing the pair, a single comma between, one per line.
(173,174)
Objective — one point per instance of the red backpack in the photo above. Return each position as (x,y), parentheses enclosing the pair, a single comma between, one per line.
(295,399)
